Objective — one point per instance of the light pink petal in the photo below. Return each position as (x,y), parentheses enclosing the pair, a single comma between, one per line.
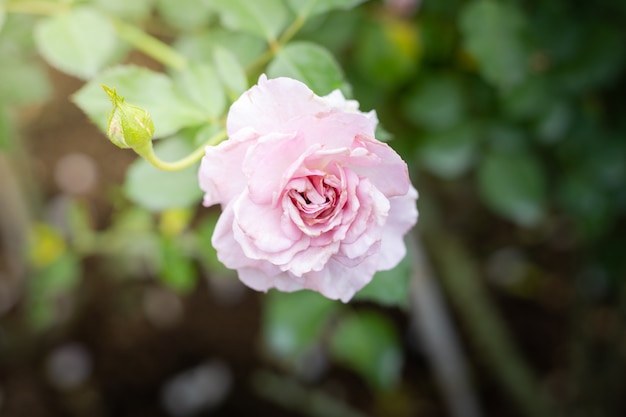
(258,229)
(382,166)
(340,282)
(331,129)
(402,217)
(220,161)
(337,101)
(367,229)
(260,280)
(313,258)
(267,163)
(267,106)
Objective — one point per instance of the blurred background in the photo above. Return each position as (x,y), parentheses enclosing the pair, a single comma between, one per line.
(512,301)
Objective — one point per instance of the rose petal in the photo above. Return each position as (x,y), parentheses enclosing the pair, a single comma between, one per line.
(224,157)
(339,282)
(271,103)
(402,217)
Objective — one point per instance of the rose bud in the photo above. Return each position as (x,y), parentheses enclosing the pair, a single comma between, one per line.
(129,126)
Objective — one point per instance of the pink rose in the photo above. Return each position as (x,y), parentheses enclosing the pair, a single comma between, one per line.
(310,199)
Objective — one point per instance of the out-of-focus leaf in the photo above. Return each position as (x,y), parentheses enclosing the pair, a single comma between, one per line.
(387,52)
(80,42)
(450,153)
(493,35)
(3,14)
(141,87)
(436,104)
(177,270)
(201,85)
(23,82)
(554,123)
(7,130)
(186,15)
(205,250)
(262,18)
(305,8)
(135,10)
(230,72)
(389,288)
(158,190)
(368,343)
(199,47)
(48,286)
(309,63)
(514,186)
(293,322)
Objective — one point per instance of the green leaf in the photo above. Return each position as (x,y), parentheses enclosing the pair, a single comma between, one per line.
(206,251)
(48,286)
(436,104)
(309,63)
(305,8)
(3,14)
(494,35)
(177,271)
(135,10)
(230,72)
(201,85)
(450,153)
(158,190)
(7,130)
(389,288)
(80,42)
(186,15)
(144,88)
(368,344)
(514,186)
(265,18)
(293,322)
(23,82)
(199,47)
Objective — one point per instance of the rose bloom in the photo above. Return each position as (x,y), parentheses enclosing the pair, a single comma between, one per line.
(310,199)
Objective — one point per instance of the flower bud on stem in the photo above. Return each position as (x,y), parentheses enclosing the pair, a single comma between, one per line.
(132,127)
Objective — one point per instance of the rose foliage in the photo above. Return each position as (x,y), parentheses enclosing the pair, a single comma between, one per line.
(310,198)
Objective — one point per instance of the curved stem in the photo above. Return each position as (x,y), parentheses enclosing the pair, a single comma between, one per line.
(150,45)
(275,46)
(147,152)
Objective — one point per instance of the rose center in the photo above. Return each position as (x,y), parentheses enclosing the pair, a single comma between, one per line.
(315,198)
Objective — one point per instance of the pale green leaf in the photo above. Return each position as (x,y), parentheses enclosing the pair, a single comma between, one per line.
(201,85)
(80,42)
(158,190)
(141,87)
(199,47)
(23,82)
(135,10)
(230,72)
(514,186)
(309,63)
(368,344)
(305,8)
(265,18)
(186,15)
(293,322)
